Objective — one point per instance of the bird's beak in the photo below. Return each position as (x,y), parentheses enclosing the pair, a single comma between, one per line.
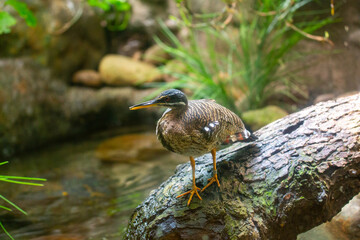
(151,103)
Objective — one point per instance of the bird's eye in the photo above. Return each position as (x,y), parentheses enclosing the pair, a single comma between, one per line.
(167,99)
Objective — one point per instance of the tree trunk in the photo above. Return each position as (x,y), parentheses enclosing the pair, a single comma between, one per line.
(300,172)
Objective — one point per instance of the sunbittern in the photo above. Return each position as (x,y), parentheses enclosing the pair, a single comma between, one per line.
(195,127)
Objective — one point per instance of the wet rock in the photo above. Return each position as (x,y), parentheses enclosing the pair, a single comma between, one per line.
(107,107)
(129,148)
(344,226)
(121,70)
(347,223)
(156,55)
(88,78)
(261,117)
(37,109)
(30,103)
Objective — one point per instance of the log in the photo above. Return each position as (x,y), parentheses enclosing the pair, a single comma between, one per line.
(300,172)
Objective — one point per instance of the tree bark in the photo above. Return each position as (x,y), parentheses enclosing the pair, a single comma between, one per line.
(300,172)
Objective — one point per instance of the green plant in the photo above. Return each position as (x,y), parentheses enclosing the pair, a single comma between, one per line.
(116,13)
(239,64)
(7,20)
(11,205)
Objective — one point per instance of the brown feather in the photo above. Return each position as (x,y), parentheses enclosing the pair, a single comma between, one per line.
(198,128)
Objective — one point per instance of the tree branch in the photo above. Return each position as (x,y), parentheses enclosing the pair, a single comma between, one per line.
(300,172)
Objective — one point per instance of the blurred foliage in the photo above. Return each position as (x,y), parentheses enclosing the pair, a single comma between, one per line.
(7,20)
(17,180)
(116,13)
(237,56)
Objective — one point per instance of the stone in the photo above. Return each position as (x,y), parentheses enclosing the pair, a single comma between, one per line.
(345,225)
(145,15)
(124,71)
(261,117)
(89,78)
(156,55)
(128,148)
(324,97)
(31,105)
(354,37)
(51,110)
(68,36)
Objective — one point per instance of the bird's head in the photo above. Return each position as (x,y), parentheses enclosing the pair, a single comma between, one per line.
(171,98)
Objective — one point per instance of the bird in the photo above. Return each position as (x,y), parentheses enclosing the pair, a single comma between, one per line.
(195,127)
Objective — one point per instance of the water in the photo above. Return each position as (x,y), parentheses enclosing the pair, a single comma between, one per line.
(83,198)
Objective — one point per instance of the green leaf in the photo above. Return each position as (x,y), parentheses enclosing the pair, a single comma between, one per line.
(6,208)
(100,4)
(6,22)
(6,162)
(23,11)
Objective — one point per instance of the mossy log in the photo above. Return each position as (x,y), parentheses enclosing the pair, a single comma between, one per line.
(300,172)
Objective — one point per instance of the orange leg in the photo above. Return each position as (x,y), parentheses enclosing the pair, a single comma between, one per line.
(215,177)
(194,187)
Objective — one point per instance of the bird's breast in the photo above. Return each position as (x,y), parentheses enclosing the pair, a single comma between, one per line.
(180,136)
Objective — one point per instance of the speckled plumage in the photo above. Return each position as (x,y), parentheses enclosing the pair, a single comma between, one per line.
(193,128)
(198,128)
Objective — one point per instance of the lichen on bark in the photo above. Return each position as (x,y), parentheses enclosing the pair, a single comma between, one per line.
(298,174)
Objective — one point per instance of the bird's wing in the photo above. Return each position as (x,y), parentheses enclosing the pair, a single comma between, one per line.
(213,121)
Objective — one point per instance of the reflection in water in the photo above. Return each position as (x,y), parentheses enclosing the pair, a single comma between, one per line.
(83,197)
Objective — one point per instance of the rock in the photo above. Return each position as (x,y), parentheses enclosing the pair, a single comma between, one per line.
(29,97)
(91,109)
(347,94)
(129,148)
(261,117)
(347,222)
(51,110)
(88,78)
(345,225)
(121,70)
(132,46)
(72,46)
(55,42)
(354,37)
(145,14)
(324,97)
(156,55)
(332,96)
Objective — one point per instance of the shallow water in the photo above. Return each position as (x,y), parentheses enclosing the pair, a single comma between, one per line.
(83,198)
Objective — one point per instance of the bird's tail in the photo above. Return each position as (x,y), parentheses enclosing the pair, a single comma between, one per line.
(244,136)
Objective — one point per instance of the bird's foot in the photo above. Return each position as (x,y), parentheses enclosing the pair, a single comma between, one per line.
(191,192)
(211,181)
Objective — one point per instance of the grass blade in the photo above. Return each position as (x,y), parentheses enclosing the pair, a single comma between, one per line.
(6,232)
(13,204)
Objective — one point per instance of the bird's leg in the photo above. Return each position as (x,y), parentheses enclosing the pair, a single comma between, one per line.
(214,178)
(194,187)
